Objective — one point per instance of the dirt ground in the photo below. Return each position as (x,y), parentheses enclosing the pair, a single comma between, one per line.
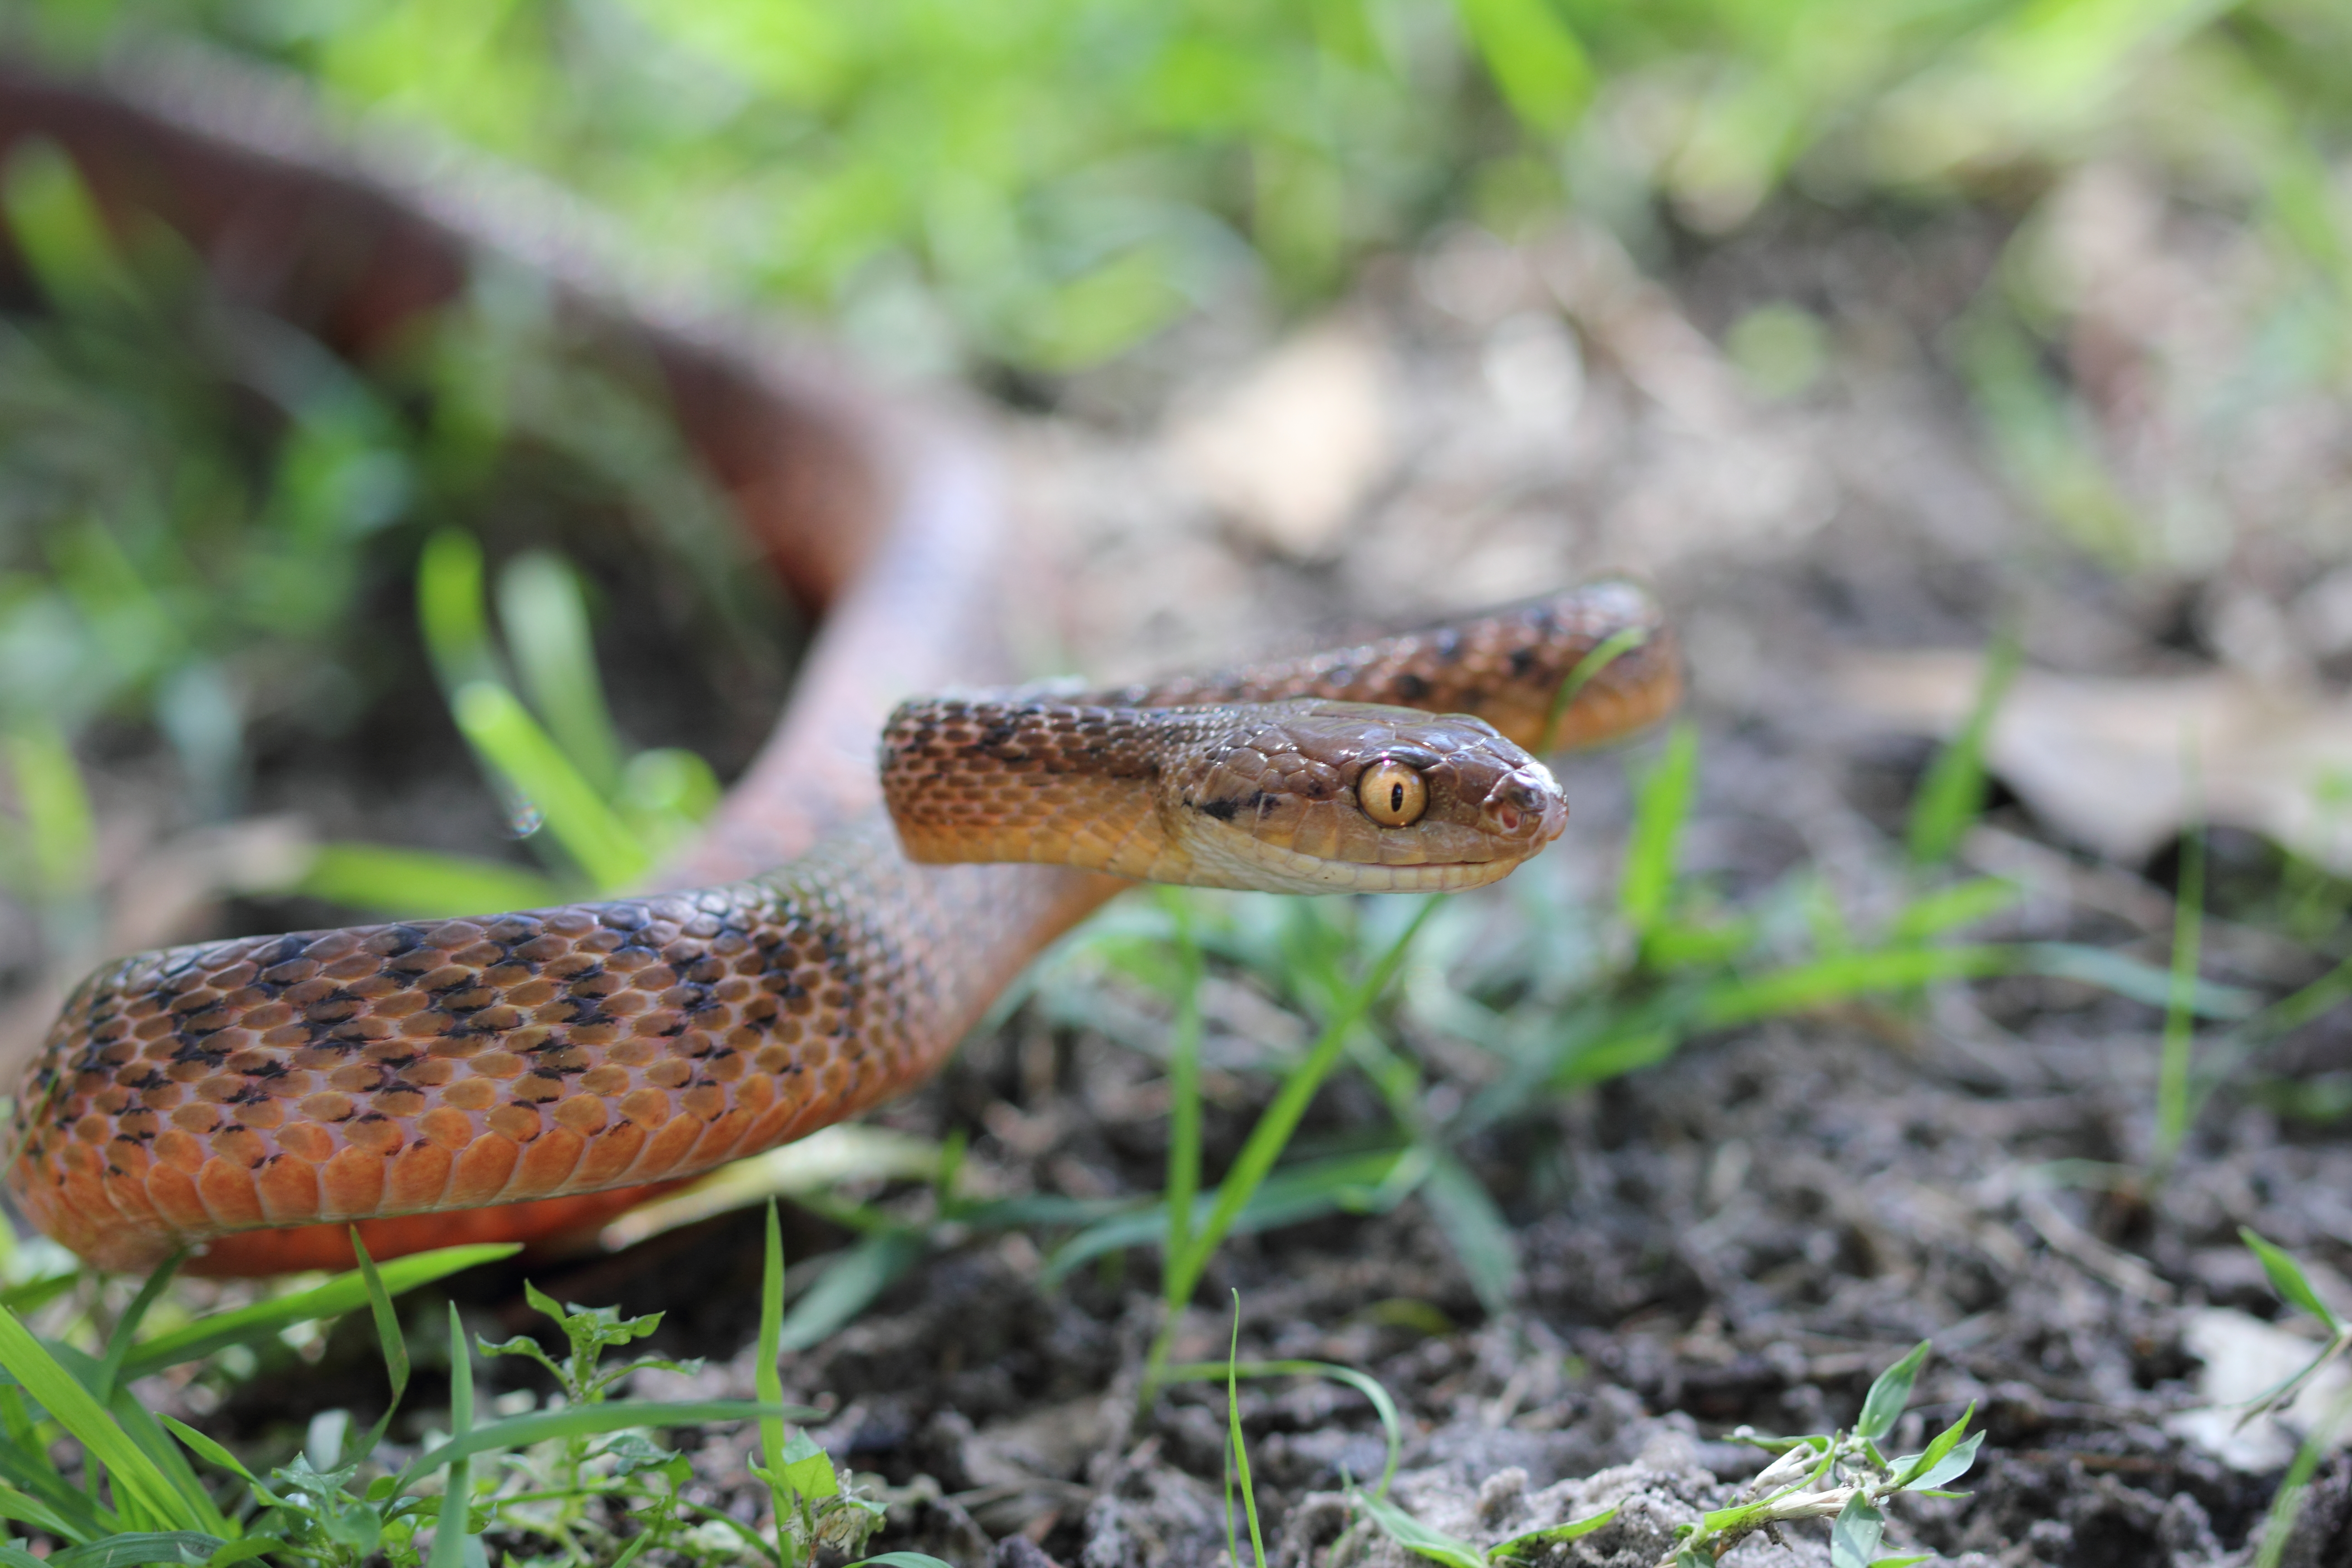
(1748,1232)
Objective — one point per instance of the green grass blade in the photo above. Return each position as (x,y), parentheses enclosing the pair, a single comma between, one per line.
(667,793)
(1629,1046)
(502,730)
(345,1292)
(545,620)
(1363,1382)
(586,1420)
(418,884)
(1516,1549)
(1475,1230)
(849,1286)
(1234,1428)
(188,1547)
(1352,1184)
(140,1487)
(59,828)
(2295,1009)
(390,1343)
(1951,797)
(2286,1503)
(1804,986)
(35,1294)
(140,1426)
(1537,63)
(449,1533)
(1610,649)
(1280,1119)
(59,234)
(449,610)
(1416,1537)
(387,1321)
(70,1517)
(1662,802)
(212,1452)
(2128,977)
(117,1343)
(2287,1278)
(26,1464)
(1183,1084)
(1948,909)
(767,1379)
(2179,1016)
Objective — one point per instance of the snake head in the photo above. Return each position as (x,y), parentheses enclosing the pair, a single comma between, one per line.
(1317,797)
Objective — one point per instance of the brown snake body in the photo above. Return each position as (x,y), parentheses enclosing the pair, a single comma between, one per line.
(207,1096)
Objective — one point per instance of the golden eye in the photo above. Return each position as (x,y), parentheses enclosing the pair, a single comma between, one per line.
(1392,794)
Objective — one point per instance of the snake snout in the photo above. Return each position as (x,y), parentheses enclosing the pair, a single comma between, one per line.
(1527,803)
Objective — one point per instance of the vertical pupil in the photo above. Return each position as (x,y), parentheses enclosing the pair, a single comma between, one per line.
(1396,798)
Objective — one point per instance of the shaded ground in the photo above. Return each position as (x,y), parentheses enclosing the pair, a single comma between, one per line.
(1745,1233)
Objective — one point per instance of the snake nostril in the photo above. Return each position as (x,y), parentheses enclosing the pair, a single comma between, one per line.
(1514,805)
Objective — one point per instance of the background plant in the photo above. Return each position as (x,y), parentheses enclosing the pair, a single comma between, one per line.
(582,1473)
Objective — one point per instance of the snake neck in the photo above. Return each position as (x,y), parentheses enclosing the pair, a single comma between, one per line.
(1036,781)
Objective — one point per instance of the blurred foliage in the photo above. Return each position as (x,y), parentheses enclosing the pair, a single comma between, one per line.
(198,500)
(1048,182)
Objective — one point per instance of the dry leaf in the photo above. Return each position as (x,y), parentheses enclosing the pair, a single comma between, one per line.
(2244,1358)
(2122,765)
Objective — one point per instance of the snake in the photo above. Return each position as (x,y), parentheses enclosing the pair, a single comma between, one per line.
(251,1105)
(515,1077)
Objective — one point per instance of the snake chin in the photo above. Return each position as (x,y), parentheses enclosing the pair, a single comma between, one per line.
(1231,858)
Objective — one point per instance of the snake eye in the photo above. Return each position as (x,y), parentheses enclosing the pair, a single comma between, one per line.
(1391,793)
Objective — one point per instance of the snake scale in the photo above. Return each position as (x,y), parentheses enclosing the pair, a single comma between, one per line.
(520,1075)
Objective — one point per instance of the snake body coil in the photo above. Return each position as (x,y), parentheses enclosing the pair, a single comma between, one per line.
(518,1074)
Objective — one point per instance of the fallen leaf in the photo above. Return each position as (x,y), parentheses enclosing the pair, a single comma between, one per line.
(2122,765)
(2244,1358)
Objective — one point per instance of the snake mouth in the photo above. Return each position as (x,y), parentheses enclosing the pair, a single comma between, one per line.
(1232,857)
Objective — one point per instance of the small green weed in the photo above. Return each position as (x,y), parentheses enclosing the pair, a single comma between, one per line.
(581,1476)
(1237,1480)
(1455,1553)
(2294,1288)
(556,761)
(1842,1476)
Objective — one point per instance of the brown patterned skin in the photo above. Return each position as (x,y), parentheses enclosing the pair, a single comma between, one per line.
(562,1061)
(1258,796)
